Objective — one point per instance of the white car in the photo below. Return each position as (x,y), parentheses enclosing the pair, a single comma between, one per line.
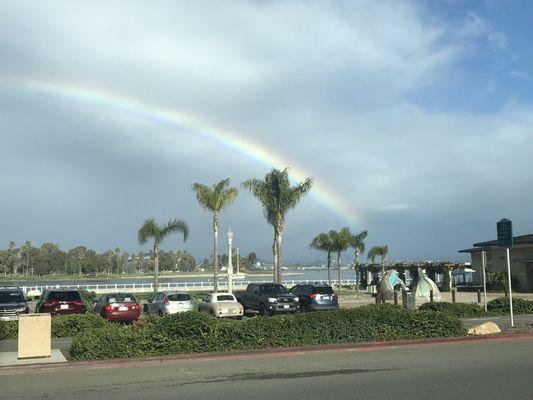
(165,303)
(222,305)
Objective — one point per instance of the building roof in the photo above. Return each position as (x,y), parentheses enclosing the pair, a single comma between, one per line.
(524,239)
(474,250)
(486,246)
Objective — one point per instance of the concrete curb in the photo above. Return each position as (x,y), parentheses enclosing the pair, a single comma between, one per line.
(284,351)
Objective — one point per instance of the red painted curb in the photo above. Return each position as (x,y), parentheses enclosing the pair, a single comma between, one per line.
(283,351)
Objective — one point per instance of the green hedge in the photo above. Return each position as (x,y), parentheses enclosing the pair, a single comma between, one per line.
(195,332)
(62,326)
(460,310)
(520,306)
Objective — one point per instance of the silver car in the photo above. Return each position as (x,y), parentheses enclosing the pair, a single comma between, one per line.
(165,303)
(222,305)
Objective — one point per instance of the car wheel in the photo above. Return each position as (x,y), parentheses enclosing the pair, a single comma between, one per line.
(263,311)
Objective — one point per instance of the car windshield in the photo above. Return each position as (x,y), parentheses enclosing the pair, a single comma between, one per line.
(323,290)
(64,296)
(121,298)
(179,297)
(225,297)
(11,297)
(273,289)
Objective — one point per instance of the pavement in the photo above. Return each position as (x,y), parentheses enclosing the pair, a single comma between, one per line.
(10,358)
(504,322)
(472,369)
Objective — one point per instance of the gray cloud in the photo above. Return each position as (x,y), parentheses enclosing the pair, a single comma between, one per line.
(323,84)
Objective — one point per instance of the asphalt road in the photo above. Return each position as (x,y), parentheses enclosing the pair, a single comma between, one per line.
(497,369)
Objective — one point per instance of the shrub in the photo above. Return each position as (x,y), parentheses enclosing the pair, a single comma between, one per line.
(62,326)
(520,306)
(71,325)
(195,332)
(460,310)
(8,330)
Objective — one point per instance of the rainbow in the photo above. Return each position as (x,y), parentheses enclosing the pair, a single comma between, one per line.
(218,137)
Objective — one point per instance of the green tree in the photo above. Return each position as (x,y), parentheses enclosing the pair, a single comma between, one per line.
(379,251)
(277,197)
(117,259)
(151,230)
(26,249)
(341,241)
(215,199)
(324,242)
(358,244)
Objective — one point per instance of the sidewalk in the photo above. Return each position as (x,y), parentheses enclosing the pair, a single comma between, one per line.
(523,322)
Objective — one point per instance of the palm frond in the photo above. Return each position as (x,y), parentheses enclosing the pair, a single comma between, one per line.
(174,226)
(217,197)
(148,230)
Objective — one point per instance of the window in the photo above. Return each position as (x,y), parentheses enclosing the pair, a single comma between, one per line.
(64,296)
(179,297)
(323,290)
(121,298)
(273,289)
(225,297)
(11,297)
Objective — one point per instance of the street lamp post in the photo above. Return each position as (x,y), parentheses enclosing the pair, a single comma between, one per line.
(238,269)
(230,262)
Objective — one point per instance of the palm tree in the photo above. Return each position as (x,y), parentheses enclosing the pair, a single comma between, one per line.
(341,242)
(358,245)
(380,251)
(151,230)
(215,199)
(277,197)
(323,242)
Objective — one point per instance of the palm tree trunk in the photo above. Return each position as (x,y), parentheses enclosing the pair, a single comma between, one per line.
(215,250)
(357,270)
(279,257)
(329,268)
(156,266)
(339,269)
(275,255)
(382,268)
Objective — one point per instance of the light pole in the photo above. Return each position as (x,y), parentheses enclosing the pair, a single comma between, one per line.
(230,262)
(238,269)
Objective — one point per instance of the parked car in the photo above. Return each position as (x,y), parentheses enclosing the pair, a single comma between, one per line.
(60,302)
(164,303)
(118,307)
(222,305)
(12,303)
(268,299)
(316,297)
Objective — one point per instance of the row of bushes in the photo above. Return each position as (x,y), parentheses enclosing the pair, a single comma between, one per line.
(195,332)
(499,306)
(64,326)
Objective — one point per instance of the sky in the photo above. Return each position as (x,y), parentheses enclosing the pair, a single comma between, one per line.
(413,117)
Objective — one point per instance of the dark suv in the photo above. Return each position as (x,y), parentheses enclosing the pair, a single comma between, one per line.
(315,297)
(60,301)
(12,303)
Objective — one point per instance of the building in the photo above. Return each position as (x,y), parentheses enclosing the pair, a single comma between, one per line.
(521,261)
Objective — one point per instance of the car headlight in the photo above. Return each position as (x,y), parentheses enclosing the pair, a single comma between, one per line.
(296,299)
(272,299)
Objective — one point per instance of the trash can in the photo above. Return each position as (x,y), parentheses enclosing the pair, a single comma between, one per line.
(408,300)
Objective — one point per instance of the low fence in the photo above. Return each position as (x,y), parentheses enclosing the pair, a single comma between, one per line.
(174,286)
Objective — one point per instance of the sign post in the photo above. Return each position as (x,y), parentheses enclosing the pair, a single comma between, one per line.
(505,239)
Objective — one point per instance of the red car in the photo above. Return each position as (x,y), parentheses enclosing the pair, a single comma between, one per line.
(60,302)
(118,307)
